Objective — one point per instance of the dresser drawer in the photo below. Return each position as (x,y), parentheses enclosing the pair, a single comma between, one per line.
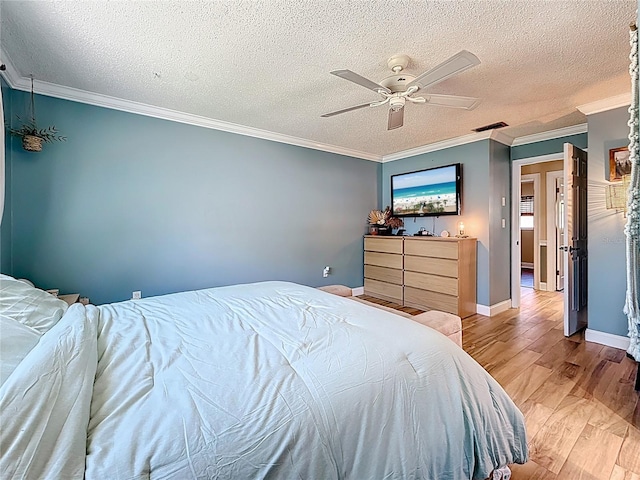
(436,266)
(389,260)
(389,275)
(427,300)
(383,290)
(431,248)
(434,283)
(385,245)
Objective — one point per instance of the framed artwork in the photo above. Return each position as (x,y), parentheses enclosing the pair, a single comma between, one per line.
(619,163)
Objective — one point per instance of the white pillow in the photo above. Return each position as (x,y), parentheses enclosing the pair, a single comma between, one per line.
(16,340)
(30,306)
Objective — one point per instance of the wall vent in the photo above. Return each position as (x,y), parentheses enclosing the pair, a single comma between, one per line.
(490,127)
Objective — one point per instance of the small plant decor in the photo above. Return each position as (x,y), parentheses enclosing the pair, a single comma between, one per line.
(32,136)
(382,222)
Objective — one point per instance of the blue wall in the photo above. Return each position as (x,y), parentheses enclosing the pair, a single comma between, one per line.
(499,236)
(547,147)
(5,225)
(136,203)
(606,239)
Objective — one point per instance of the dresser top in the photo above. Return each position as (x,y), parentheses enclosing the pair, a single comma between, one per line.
(422,237)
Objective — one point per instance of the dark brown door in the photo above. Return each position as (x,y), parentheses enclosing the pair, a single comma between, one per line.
(575,248)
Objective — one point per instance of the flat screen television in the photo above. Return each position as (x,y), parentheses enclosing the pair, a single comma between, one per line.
(427,193)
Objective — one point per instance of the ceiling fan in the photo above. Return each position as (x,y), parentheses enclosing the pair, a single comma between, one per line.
(396,89)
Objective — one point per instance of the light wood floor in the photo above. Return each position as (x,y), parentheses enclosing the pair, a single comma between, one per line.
(578,398)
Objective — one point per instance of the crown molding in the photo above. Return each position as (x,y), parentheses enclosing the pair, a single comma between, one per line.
(622,100)
(10,75)
(501,137)
(550,134)
(17,82)
(452,142)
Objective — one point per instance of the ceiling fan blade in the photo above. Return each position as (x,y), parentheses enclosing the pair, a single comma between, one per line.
(453,101)
(345,110)
(360,80)
(396,118)
(460,62)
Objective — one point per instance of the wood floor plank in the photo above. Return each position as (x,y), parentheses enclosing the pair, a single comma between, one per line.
(531,471)
(521,361)
(629,457)
(620,473)
(557,355)
(553,391)
(521,387)
(547,341)
(594,377)
(553,443)
(593,456)
(613,354)
(585,353)
(500,353)
(616,404)
(535,416)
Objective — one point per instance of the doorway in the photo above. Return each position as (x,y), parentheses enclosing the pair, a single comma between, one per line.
(535,224)
(529,230)
(566,203)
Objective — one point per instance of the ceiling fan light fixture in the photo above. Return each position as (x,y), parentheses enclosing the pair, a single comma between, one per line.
(396,103)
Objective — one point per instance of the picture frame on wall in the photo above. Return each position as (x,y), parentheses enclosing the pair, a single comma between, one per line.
(619,163)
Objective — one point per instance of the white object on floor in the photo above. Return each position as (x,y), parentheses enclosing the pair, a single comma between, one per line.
(502,473)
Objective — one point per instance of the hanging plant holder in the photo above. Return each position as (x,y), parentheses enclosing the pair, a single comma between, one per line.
(31,143)
(32,136)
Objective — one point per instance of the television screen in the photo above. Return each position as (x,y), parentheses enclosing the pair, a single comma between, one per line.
(431,192)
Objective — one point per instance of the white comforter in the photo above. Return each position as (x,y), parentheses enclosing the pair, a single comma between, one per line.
(264,380)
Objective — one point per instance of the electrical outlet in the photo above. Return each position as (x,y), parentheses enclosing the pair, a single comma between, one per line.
(137,295)
(326,271)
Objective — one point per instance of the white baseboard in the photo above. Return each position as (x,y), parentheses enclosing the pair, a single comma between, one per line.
(493,309)
(608,339)
(357,291)
(526,265)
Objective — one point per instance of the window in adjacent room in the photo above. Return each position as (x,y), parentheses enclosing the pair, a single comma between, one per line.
(526,212)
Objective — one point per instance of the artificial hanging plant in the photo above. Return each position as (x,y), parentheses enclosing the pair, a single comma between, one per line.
(32,136)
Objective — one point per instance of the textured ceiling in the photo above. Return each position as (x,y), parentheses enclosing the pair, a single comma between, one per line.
(265,63)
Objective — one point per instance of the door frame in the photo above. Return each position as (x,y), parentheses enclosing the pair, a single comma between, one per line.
(516,257)
(552,244)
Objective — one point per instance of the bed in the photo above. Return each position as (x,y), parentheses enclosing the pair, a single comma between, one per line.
(265,380)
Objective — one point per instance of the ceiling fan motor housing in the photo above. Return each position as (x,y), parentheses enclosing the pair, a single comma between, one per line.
(397,83)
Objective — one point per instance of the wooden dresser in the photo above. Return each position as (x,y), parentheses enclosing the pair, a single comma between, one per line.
(383,262)
(429,273)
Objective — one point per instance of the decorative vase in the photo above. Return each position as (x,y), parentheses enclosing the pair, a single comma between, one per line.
(31,143)
(384,230)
